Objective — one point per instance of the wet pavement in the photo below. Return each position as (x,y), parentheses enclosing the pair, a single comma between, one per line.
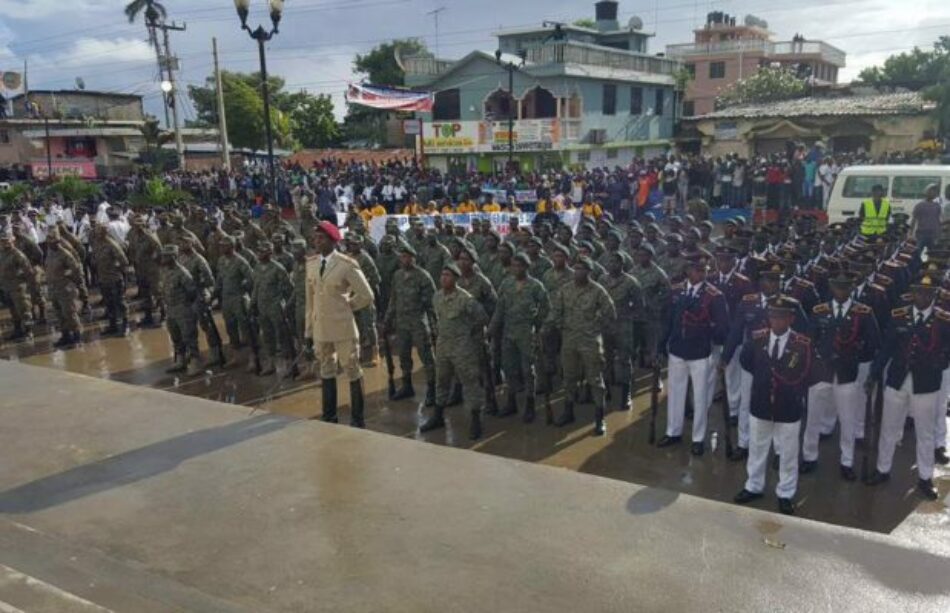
(624,454)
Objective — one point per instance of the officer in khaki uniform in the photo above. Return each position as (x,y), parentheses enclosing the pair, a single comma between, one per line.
(336,291)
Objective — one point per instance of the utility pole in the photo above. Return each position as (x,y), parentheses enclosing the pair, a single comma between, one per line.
(171,62)
(435,15)
(222,119)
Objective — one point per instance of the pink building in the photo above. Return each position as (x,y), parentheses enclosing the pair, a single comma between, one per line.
(724,52)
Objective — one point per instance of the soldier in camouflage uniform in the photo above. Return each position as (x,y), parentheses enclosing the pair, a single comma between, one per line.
(66,284)
(478,285)
(672,261)
(178,293)
(241,249)
(581,311)
(387,263)
(298,247)
(434,254)
(281,255)
(146,253)
(272,289)
(15,273)
(655,289)
(411,320)
(540,263)
(110,263)
(201,274)
(553,280)
(232,287)
(365,318)
(460,319)
(34,254)
(522,308)
(624,290)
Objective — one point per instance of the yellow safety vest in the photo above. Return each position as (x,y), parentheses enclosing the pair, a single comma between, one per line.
(875,221)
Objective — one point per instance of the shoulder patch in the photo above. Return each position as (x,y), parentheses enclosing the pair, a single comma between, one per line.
(750,298)
(863,309)
(821,309)
(712,290)
(902,312)
(759,334)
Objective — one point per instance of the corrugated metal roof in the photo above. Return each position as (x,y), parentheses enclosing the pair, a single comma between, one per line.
(903,103)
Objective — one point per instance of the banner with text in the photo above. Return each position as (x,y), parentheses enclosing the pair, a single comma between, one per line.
(499,221)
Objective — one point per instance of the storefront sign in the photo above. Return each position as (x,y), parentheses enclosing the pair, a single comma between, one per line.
(64,168)
(491,136)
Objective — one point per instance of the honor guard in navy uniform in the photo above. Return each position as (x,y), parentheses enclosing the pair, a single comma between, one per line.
(915,355)
(844,335)
(698,319)
(734,285)
(751,315)
(780,362)
(798,287)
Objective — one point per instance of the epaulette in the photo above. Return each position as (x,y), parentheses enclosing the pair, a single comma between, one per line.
(863,309)
(943,293)
(907,297)
(902,312)
(941,314)
(750,298)
(905,258)
(758,334)
(801,339)
(678,286)
(712,290)
(885,282)
(803,282)
(741,277)
(821,270)
(877,287)
(821,309)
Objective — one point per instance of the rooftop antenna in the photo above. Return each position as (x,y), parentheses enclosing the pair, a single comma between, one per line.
(435,16)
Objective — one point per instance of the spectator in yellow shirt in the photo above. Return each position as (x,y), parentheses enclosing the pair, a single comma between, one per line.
(492,207)
(547,206)
(365,213)
(511,206)
(447,208)
(378,210)
(467,207)
(413,208)
(591,209)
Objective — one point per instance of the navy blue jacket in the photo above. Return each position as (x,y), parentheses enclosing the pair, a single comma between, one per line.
(778,386)
(840,346)
(751,316)
(696,323)
(917,350)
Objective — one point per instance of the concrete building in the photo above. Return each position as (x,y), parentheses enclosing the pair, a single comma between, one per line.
(724,52)
(581,96)
(876,123)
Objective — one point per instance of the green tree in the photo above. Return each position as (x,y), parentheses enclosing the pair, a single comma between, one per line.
(585,22)
(767,84)
(73,189)
(312,122)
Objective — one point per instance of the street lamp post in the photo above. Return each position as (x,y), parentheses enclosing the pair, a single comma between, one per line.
(261,35)
(510,67)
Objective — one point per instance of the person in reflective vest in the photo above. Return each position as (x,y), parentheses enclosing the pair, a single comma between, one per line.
(875,212)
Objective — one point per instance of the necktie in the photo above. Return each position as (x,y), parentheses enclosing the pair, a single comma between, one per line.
(323,266)
(775,350)
(920,318)
(840,311)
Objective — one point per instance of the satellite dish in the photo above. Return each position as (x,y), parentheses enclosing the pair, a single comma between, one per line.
(635,23)
(80,84)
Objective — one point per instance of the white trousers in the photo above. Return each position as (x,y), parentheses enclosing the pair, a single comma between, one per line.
(734,384)
(785,438)
(940,438)
(713,375)
(922,407)
(745,400)
(846,401)
(864,369)
(680,373)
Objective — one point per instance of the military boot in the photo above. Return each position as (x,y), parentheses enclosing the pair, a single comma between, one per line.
(356,404)
(491,404)
(625,404)
(430,394)
(455,398)
(328,392)
(179,366)
(528,409)
(148,321)
(511,405)
(194,367)
(216,356)
(548,411)
(251,362)
(63,341)
(475,425)
(600,427)
(567,417)
(435,422)
(406,391)
(267,366)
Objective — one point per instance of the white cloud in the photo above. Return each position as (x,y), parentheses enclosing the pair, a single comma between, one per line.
(102,50)
(41,9)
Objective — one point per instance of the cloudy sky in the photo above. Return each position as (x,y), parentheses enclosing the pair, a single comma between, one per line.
(318,39)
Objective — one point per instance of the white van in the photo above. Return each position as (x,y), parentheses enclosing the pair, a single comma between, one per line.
(904,187)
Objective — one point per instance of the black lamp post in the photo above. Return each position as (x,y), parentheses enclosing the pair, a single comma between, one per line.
(262,35)
(511,67)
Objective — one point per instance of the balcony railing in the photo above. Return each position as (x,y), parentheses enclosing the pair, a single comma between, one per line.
(425,65)
(572,52)
(828,53)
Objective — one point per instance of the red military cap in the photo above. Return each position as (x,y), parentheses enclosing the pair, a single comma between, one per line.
(330,230)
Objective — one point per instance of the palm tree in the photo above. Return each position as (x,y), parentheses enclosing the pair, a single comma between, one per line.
(155,14)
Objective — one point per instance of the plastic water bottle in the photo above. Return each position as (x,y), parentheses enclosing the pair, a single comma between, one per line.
(714,441)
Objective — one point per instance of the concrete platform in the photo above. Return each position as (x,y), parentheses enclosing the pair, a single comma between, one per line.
(129,499)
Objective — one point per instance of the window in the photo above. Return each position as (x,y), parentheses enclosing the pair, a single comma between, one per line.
(447,105)
(500,105)
(4,137)
(860,187)
(689,108)
(539,103)
(612,154)
(583,156)
(912,187)
(717,70)
(610,99)
(636,101)
(660,99)
(691,70)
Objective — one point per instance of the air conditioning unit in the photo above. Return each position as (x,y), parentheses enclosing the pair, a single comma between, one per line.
(597,137)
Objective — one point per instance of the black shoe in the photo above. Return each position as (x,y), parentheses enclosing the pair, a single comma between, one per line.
(406,391)
(734,420)
(567,416)
(625,403)
(847,473)
(667,441)
(148,322)
(697,449)
(745,497)
(63,341)
(430,395)
(328,391)
(435,422)
(859,443)
(786,506)
(927,489)
(878,477)
(357,404)
(510,408)
(600,427)
(739,454)
(475,426)
(456,397)
(807,467)
(491,404)
(528,410)
(940,456)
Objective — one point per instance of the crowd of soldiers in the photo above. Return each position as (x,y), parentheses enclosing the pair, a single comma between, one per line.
(546,309)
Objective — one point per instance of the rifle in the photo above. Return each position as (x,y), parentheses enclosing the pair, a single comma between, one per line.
(388,355)
(654,398)
(253,339)
(214,336)
(725,413)
(874,408)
